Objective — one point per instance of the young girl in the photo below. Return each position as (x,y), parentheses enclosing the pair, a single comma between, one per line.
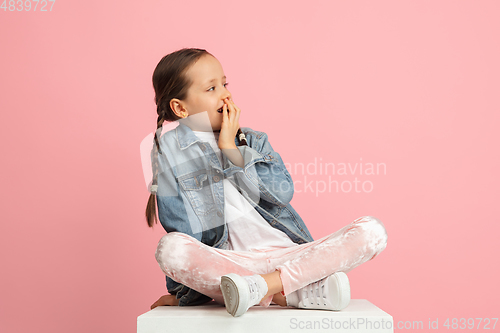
(223,196)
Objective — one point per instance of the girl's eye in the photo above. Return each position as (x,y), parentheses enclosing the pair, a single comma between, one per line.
(225,84)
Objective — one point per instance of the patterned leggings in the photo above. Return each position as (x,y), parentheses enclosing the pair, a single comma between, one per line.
(200,267)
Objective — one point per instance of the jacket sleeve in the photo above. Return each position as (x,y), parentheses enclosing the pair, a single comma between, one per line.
(264,169)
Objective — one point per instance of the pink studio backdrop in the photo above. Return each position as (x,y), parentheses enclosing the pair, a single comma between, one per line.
(410,85)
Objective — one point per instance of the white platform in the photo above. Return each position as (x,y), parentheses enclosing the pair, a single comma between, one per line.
(359,316)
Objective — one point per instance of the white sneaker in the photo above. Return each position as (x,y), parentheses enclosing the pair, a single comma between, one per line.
(330,293)
(242,292)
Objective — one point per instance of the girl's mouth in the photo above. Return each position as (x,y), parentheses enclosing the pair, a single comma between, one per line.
(220,110)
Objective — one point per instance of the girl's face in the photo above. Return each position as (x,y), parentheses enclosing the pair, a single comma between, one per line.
(207,92)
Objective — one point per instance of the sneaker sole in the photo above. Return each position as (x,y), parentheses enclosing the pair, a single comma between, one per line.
(231,286)
(340,282)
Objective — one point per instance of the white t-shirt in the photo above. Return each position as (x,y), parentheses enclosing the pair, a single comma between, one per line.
(248,230)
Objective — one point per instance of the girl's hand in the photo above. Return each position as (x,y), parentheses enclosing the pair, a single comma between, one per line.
(165,300)
(230,125)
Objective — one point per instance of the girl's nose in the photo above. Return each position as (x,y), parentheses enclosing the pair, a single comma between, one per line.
(227,94)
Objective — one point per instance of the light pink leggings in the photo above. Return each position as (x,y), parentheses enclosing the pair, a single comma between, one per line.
(200,267)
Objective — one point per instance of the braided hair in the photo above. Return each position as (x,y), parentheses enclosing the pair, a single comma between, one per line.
(170,81)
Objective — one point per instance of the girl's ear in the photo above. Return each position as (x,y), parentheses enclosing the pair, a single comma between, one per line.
(178,108)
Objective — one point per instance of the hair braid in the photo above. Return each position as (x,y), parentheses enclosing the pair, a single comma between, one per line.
(169,81)
(151,207)
(241,137)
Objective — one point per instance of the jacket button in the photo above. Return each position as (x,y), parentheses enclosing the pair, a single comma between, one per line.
(220,213)
(203,148)
(216,179)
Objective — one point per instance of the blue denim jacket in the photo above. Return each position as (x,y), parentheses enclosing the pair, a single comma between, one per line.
(190,195)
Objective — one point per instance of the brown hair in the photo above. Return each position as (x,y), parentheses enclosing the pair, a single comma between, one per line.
(170,81)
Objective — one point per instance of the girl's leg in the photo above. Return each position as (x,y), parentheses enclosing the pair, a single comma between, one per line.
(292,268)
(343,250)
(200,267)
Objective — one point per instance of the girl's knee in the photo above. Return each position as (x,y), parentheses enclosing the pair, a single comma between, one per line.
(378,233)
(374,228)
(171,247)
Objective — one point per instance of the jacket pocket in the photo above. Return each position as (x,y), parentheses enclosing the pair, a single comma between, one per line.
(198,190)
(194,183)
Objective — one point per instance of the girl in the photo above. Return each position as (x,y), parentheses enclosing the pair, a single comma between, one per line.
(223,196)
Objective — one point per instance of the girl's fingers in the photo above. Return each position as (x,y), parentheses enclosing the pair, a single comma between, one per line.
(238,111)
(235,111)
(230,111)
(237,115)
(237,119)
(224,113)
(235,106)
(227,112)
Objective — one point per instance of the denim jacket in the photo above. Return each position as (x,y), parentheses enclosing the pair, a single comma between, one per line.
(190,194)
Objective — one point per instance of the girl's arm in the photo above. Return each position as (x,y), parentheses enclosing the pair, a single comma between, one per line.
(264,169)
(234,155)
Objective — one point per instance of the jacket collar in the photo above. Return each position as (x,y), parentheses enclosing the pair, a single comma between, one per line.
(185,136)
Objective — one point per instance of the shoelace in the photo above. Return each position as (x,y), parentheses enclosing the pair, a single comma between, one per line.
(254,291)
(314,292)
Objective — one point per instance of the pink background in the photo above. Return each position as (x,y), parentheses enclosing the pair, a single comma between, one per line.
(411,84)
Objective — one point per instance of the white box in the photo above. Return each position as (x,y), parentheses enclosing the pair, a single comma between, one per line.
(359,316)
